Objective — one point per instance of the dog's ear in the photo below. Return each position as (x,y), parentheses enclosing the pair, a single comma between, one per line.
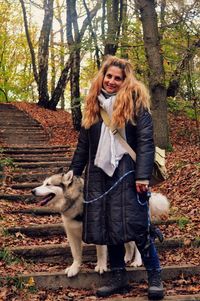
(68,177)
(60,170)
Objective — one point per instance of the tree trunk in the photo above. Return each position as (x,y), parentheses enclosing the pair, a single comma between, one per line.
(74,38)
(62,49)
(156,72)
(94,36)
(174,83)
(5,94)
(43,53)
(114,19)
(33,60)
(124,52)
(74,60)
(60,87)
(53,67)
(75,89)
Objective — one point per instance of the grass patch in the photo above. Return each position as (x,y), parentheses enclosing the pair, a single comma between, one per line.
(178,104)
(7,257)
(169,148)
(182,222)
(197,242)
(18,283)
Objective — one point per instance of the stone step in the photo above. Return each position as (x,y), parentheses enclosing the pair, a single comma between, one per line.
(23,127)
(37,211)
(7,106)
(26,159)
(12,110)
(192,297)
(24,136)
(33,177)
(39,165)
(25,186)
(44,147)
(25,130)
(12,119)
(37,150)
(20,131)
(58,229)
(27,198)
(13,113)
(41,156)
(16,114)
(39,230)
(22,120)
(24,141)
(53,253)
(89,279)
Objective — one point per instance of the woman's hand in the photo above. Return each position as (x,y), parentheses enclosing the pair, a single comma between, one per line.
(141,187)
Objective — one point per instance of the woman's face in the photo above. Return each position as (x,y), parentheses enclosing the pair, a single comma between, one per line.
(113,79)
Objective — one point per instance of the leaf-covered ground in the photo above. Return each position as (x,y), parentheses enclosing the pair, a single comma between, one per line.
(182,189)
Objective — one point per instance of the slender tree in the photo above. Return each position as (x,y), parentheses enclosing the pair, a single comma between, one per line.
(114,21)
(156,71)
(58,17)
(187,57)
(41,73)
(43,54)
(74,38)
(53,66)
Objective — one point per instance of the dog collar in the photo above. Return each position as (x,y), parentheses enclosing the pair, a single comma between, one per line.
(78,218)
(67,208)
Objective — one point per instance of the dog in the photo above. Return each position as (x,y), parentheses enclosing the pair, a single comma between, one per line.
(64,192)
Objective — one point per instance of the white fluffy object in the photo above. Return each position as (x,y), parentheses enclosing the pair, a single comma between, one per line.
(159,206)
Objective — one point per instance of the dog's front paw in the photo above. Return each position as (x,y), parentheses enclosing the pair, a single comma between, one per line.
(128,257)
(136,263)
(72,270)
(130,249)
(100,268)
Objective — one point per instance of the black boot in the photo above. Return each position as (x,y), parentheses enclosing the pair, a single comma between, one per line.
(155,289)
(118,284)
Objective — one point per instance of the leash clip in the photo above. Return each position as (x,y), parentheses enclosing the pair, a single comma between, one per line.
(114,132)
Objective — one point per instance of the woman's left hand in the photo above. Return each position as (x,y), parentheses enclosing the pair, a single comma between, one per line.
(141,187)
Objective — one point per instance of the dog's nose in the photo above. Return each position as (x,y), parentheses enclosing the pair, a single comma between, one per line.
(33,191)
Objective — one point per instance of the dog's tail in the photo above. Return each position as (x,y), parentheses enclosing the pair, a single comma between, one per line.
(159,206)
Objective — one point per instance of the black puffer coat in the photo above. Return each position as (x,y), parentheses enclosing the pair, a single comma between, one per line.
(118,216)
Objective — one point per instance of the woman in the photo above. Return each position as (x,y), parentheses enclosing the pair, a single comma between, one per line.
(115,209)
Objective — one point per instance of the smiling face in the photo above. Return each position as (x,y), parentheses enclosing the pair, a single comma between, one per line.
(113,79)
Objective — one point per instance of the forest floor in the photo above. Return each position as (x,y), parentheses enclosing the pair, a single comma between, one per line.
(182,189)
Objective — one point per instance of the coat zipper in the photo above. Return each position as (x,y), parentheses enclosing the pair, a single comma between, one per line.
(88,168)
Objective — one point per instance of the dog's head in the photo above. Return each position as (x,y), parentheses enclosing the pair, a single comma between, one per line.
(59,191)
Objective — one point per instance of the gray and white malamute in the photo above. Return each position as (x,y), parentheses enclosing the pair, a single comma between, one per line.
(64,192)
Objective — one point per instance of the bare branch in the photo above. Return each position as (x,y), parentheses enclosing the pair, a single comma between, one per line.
(29,42)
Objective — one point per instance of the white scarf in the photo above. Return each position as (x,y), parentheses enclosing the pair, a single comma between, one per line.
(109,151)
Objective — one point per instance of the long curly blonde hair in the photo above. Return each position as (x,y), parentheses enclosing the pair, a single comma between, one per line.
(131,96)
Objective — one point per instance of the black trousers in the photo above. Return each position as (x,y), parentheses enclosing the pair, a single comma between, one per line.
(116,255)
(150,258)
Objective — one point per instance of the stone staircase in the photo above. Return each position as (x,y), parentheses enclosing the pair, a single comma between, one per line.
(44,238)
(17,128)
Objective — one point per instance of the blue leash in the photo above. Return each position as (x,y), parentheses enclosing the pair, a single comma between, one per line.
(110,189)
(145,204)
(114,185)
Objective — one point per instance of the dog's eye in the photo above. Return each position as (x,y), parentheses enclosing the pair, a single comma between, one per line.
(61,185)
(70,184)
(48,184)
